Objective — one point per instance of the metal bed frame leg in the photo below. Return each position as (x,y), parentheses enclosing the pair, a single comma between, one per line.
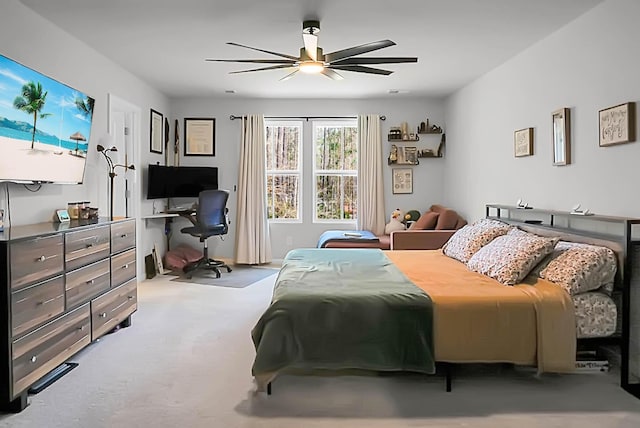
(269,388)
(447,376)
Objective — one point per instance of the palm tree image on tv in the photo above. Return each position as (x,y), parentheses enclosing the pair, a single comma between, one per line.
(85,106)
(31,101)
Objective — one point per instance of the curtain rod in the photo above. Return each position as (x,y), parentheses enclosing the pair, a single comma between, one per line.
(234,117)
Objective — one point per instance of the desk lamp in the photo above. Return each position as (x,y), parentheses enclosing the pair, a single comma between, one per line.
(112,172)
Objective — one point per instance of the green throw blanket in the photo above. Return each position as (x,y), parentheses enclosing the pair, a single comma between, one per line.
(344,309)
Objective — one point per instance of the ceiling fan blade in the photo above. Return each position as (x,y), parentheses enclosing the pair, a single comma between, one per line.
(273,67)
(382,60)
(290,75)
(256,61)
(357,50)
(360,69)
(311,45)
(331,74)
(265,51)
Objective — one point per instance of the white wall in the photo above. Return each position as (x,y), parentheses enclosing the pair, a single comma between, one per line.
(588,65)
(427,175)
(31,40)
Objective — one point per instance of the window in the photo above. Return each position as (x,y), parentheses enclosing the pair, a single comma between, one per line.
(335,170)
(283,158)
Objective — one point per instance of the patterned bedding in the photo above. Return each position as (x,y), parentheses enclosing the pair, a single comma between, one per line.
(596,315)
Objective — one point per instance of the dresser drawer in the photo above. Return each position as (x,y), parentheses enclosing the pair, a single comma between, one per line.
(123,267)
(86,246)
(87,282)
(123,236)
(113,307)
(44,349)
(36,304)
(35,259)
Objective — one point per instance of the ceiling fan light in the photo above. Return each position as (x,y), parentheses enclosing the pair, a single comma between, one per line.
(311,67)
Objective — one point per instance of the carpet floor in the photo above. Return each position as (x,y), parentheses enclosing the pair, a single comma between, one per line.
(241,276)
(186,362)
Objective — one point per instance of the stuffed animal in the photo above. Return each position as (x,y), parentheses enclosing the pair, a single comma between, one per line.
(411,215)
(395,223)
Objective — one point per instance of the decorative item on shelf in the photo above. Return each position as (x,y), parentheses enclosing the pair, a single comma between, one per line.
(426,153)
(577,211)
(523,205)
(410,155)
(395,133)
(443,140)
(423,127)
(404,126)
(112,172)
(393,155)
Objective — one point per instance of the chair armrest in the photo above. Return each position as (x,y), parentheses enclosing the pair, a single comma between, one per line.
(420,239)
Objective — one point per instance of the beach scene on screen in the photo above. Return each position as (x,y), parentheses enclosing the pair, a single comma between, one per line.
(45,126)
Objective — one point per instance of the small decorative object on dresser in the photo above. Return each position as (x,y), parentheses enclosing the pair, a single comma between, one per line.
(617,124)
(523,142)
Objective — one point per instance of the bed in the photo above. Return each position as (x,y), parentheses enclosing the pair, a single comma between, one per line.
(459,316)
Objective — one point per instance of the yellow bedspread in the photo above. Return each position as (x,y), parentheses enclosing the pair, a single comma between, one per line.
(477,319)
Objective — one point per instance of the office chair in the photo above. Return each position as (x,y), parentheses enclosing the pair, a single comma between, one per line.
(211,220)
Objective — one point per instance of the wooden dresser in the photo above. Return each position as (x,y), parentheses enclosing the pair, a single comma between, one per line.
(62,287)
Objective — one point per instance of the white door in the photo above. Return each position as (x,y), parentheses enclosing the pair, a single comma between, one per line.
(124,130)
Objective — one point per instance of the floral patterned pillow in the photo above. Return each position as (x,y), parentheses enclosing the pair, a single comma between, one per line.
(580,267)
(509,258)
(596,315)
(468,240)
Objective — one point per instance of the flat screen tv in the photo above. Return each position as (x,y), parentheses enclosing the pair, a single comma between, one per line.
(180,181)
(45,127)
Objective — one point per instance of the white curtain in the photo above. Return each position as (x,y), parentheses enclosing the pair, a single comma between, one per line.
(253,243)
(371,214)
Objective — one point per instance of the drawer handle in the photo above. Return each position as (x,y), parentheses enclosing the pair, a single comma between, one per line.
(43,258)
(126,266)
(90,245)
(91,281)
(130,297)
(103,315)
(48,301)
(124,235)
(81,328)
(33,359)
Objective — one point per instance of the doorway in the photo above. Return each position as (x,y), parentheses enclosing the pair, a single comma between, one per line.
(124,131)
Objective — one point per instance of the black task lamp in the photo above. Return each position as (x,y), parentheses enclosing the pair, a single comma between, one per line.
(112,172)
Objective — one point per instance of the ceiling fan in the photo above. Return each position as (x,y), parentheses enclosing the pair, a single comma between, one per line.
(313,60)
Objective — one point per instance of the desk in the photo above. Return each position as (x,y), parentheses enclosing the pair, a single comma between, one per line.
(168,216)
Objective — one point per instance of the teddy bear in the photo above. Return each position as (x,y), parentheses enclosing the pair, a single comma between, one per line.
(395,223)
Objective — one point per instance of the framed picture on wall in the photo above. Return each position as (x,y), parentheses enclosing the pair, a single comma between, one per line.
(199,137)
(561,126)
(523,142)
(617,124)
(156,131)
(402,180)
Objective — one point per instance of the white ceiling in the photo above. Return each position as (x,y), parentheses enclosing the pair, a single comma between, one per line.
(165,42)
